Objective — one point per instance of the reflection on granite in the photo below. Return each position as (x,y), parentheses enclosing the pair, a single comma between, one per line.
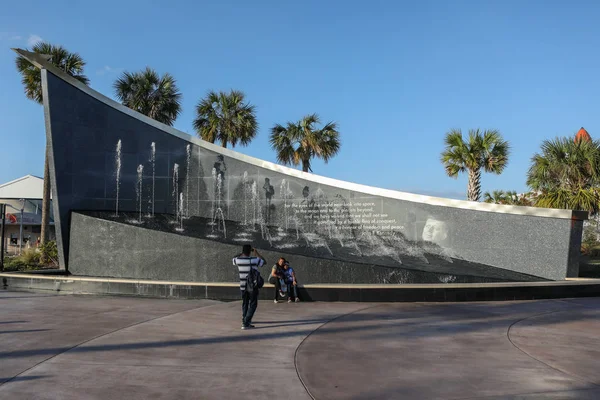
(372,249)
(120,168)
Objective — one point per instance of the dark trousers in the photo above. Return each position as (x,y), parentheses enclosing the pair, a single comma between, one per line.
(277,283)
(292,289)
(249,304)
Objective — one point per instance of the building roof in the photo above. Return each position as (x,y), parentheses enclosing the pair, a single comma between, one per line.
(26,187)
(583,135)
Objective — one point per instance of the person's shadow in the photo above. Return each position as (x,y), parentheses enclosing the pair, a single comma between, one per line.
(269,193)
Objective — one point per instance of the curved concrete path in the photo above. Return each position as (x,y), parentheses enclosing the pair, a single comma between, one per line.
(80,347)
(520,350)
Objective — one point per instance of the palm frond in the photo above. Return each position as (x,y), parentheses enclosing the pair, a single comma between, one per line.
(70,63)
(453,169)
(565,164)
(455,156)
(481,150)
(298,143)
(227,118)
(454,139)
(282,140)
(150,94)
(494,151)
(496,197)
(582,199)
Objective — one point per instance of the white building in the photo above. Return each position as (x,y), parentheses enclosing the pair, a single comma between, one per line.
(23,198)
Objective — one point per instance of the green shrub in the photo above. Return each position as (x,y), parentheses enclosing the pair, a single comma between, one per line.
(589,242)
(590,249)
(30,256)
(590,235)
(49,254)
(31,259)
(27,261)
(12,264)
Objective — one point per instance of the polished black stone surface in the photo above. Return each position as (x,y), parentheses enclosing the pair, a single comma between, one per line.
(105,245)
(119,168)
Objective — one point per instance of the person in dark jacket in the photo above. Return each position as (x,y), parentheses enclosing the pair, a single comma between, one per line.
(277,275)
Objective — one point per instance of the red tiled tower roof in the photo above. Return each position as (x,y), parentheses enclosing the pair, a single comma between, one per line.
(583,135)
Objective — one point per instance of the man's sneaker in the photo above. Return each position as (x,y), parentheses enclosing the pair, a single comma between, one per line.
(244,327)
(297,300)
(289,300)
(275,301)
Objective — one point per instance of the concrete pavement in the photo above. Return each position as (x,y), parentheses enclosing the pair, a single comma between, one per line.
(541,349)
(85,347)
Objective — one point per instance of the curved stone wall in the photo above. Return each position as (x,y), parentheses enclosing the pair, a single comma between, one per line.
(122,167)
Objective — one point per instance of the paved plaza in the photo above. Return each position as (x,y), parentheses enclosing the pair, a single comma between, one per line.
(85,347)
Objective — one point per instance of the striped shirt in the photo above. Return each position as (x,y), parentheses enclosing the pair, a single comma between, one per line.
(244,264)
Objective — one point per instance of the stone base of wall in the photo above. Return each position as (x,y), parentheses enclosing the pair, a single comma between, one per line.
(360,293)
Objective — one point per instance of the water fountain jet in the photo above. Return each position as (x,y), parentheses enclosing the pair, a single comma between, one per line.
(118,174)
(138,187)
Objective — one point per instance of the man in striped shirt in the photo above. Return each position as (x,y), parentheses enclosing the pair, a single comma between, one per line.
(244,263)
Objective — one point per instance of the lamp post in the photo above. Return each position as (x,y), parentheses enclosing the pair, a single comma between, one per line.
(21,227)
(3,219)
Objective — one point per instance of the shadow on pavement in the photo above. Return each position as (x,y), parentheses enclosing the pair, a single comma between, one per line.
(24,331)
(22,378)
(418,321)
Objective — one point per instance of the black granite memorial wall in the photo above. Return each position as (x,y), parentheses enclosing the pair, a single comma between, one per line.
(130,194)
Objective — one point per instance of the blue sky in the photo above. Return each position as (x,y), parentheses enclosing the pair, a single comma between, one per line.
(395,75)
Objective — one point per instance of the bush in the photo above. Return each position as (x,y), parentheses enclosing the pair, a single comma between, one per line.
(49,254)
(591,250)
(32,259)
(12,264)
(28,260)
(589,242)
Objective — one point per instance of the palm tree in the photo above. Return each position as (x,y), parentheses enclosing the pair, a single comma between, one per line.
(150,94)
(31,77)
(485,150)
(299,142)
(496,197)
(566,174)
(227,118)
(515,199)
(509,198)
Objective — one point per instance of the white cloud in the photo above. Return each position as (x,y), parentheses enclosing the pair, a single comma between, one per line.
(33,39)
(108,70)
(10,36)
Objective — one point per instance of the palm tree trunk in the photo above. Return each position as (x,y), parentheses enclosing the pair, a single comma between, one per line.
(305,165)
(224,144)
(474,188)
(45,204)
